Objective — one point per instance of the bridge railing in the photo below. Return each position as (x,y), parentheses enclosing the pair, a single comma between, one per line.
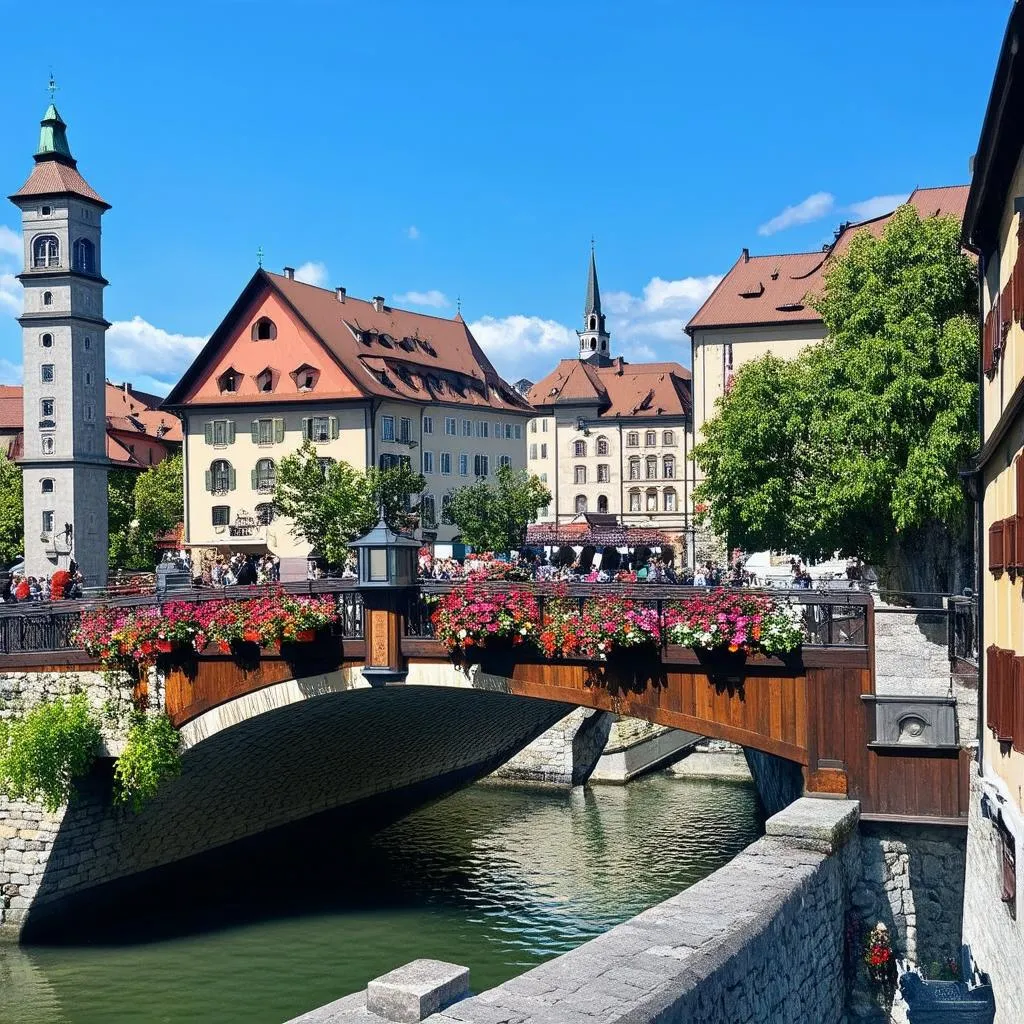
(51,626)
(830,618)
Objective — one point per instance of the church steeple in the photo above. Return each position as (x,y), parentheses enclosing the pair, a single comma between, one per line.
(53,139)
(594,337)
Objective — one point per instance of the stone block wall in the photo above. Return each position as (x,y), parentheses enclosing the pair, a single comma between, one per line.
(565,754)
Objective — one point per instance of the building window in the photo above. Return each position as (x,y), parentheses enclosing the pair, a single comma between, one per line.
(46,373)
(48,522)
(221,515)
(428,424)
(387,428)
(602,446)
(46,408)
(446,463)
(449,426)
(47,486)
(632,439)
(264,329)
(668,438)
(544,425)
(405,429)
(87,343)
(543,451)
(482,428)
(467,428)
(634,501)
(602,503)
(581,504)
(543,478)
(651,467)
(463,464)
(220,432)
(84,256)
(267,431)
(47,298)
(517,432)
(428,511)
(265,381)
(505,461)
(264,476)
(481,465)
(90,413)
(220,477)
(46,340)
(321,428)
(580,474)
(634,467)
(446,509)
(229,381)
(45,252)
(533,451)
(47,444)
(325,466)
(533,426)
(265,513)
(650,438)
(669,467)
(603,474)
(579,449)
(652,501)
(88,376)
(45,210)
(670,500)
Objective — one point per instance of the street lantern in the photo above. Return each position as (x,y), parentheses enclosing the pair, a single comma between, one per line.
(386,558)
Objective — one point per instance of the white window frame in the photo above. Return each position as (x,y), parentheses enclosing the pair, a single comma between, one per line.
(446,463)
(451,426)
(463,463)
(428,424)
(387,428)
(428,462)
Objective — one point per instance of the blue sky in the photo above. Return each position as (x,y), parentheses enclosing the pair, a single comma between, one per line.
(429,151)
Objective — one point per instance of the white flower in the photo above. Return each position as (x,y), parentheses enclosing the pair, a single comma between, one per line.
(463,634)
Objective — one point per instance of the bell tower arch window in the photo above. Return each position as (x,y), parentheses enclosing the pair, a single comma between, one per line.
(84,256)
(45,252)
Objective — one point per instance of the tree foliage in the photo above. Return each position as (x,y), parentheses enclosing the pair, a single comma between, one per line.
(332,505)
(150,755)
(859,440)
(141,507)
(493,517)
(12,519)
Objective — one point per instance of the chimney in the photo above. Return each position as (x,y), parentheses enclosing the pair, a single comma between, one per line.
(378,303)
(289,272)
(745,255)
(340,293)
(127,387)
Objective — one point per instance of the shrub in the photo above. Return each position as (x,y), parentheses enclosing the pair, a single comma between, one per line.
(150,755)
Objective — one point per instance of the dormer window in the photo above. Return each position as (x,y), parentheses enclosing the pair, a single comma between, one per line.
(305,377)
(265,380)
(264,329)
(229,381)
(45,252)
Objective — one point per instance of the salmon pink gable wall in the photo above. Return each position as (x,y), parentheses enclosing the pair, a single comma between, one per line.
(294,346)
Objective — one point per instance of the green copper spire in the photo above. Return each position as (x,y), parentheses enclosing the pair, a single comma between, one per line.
(53,140)
(593,292)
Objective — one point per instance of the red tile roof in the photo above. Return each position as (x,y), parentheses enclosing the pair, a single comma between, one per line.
(774,289)
(53,177)
(10,407)
(619,390)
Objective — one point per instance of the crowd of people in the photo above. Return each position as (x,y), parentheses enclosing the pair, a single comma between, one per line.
(62,585)
(240,570)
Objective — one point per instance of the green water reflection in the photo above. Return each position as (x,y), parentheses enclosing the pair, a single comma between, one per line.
(497,878)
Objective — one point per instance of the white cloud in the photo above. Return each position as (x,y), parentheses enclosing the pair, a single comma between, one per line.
(11,295)
(434,299)
(136,347)
(877,206)
(10,242)
(815,206)
(524,345)
(658,314)
(412,232)
(312,272)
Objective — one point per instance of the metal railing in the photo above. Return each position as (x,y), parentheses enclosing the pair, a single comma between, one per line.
(51,626)
(962,623)
(830,618)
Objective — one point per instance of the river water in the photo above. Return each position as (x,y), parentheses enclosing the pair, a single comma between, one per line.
(498,878)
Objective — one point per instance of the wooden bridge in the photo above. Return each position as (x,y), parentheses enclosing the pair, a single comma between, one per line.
(818,710)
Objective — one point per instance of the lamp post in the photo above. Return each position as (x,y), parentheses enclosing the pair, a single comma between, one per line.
(387,563)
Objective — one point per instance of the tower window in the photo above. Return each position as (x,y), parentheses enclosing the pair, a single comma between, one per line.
(46,408)
(87,343)
(46,373)
(46,340)
(264,329)
(47,444)
(84,256)
(88,376)
(45,252)
(90,412)
(48,522)
(45,211)
(47,298)
(47,486)
(593,323)
(593,344)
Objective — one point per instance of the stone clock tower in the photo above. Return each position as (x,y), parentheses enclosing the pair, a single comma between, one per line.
(64,459)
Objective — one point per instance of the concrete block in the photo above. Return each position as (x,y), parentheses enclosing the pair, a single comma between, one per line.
(815,824)
(411,993)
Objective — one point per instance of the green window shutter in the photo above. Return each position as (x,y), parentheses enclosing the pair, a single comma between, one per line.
(305,428)
(208,431)
(209,481)
(255,431)
(231,479)
(278,430)
(231,431)
(334,427)
(254,479)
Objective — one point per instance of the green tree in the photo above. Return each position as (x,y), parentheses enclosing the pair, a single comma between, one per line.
(142,506)
(855,446)
(493,517)
(12,517)
(332,505)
